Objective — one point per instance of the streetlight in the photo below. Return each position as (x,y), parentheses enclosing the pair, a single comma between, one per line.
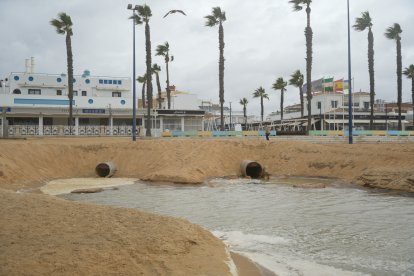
(134,96)
(349,82)
(230,116)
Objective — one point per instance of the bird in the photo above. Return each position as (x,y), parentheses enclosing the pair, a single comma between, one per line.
(173,11)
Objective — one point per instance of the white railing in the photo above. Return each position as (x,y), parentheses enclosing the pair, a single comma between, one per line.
(60,130)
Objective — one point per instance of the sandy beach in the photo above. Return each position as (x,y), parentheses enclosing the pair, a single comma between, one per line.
(44,235)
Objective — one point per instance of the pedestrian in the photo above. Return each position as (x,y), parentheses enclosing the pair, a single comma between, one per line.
(267,132)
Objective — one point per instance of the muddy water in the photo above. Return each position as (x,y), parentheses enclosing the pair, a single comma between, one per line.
(291,231)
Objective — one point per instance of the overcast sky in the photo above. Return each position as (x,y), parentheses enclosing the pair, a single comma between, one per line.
(264,40)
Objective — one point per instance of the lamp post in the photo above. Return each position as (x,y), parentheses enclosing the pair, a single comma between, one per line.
(349,83)
(386,118)
(134,95)
(230,116)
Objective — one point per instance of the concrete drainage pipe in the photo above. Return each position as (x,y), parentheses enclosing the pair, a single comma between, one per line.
(251,168)
(106,169)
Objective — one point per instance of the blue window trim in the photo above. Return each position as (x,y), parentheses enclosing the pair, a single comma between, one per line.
(42,101)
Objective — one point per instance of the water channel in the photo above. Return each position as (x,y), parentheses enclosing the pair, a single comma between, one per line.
(337,230)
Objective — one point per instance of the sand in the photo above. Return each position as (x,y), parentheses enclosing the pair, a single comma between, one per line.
(43,235)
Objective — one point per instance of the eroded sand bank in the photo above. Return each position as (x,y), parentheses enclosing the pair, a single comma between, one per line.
(44,235)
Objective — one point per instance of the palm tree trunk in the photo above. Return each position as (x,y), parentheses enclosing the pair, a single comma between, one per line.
(70,79)
(371,76)
(308,35)
(143,94)
(245,117)
(261,109)
(221,74)
(168,82)
(149,77)
(159,89)
(399,82)
(301,100)
(281,105)
(412,94)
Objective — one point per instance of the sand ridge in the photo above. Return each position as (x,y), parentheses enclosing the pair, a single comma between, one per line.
(31,163)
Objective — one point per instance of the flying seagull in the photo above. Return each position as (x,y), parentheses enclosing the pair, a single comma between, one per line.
(174,11)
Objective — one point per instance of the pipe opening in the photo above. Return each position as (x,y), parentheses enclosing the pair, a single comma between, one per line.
(251,168)
(106,169)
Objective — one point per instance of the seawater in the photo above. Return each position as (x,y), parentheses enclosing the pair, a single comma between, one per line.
(292,231)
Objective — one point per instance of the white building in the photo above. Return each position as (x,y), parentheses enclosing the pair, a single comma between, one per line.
(38,104)
(330,112)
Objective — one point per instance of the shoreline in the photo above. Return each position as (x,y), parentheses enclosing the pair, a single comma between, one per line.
(244,265)
(247,267)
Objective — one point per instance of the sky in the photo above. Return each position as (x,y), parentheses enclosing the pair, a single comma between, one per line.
(264,40)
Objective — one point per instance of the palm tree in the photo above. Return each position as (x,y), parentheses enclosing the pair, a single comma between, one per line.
(155,70)
(298,6)
(409,72)
(361,24)
(393,33)
(244,103)
(144,12)
(217,18)
(280,84)
(143,79)
(260,93)
(297,81)
(163,50)
(63,25)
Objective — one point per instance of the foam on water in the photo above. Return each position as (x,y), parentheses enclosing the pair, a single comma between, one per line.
(242,240)
(287,266)
(250,245)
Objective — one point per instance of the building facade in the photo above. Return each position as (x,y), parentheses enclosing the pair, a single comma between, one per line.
(38,104)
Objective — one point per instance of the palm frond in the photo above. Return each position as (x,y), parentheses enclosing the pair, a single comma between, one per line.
(63,24)
(65,19)
(393,32)
(297,4)
(409,71)
(363,22)
(280,84)
(216,12)
(137,18)
(211,21)
(296,79)
(145,12)
(162,49)
(244,101)
(142,79)
(155,68)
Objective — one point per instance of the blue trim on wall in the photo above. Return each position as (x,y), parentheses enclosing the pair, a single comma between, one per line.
(42,101)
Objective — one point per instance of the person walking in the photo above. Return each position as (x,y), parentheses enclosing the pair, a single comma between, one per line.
(267,132)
